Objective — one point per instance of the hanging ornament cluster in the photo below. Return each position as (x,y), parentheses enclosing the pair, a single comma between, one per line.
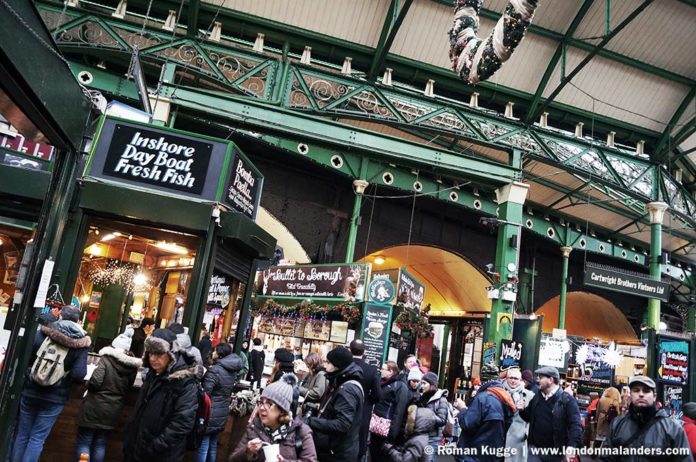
(308,310)
(119,273)
(609,355)
(414,322)
(476,59)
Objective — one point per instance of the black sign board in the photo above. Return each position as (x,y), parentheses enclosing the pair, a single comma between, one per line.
(334,282)
(375,332)
(219,291)
(510,354)
(411,291)
(243,188)
(612,279)
(595,374)
(381,291)
(673,361)
(159,159)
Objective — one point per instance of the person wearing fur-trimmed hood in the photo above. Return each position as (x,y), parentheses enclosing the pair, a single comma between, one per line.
(166,409)
(106,390)
(41,405)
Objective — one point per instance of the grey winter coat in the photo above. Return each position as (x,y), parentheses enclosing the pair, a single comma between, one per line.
(68,334)
(420,422)
(665,433)
(218,382)
(288,450)
(517,433)
(106,389)
(436,402)
(313,387)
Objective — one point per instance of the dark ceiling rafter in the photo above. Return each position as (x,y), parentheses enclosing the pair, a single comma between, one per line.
(194,8)
(586,46)
(591,55)
(395,17)
(662,147)
(579,16)
(686,131)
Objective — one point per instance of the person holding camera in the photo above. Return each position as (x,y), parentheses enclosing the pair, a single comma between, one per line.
(313,386)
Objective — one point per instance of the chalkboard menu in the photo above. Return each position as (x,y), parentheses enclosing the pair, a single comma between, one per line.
(375,332)
(673,361)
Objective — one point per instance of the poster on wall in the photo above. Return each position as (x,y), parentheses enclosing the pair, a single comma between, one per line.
(553,352)
(339,332)
(510,354)
(595,374)
(673,400)
(317,330)
(219,291)
(375,332)
(673,361)
(488,354)
(335,282)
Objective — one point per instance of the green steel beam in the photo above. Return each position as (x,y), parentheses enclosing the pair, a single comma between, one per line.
(556,57)
(591,55)
(194,8)
(686,131)
(662,149)
(392,23)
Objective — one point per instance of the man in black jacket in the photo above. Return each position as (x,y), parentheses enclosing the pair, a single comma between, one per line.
(645,427)
(373,391)
(147,325)
(554,418)
(337,427)
(257,360)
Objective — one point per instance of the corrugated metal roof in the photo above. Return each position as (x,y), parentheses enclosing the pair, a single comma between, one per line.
(358,21)
(423,34)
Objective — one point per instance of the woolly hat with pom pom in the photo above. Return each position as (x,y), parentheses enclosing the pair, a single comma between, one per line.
(281,392)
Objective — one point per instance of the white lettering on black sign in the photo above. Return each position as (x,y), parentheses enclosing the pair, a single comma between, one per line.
(166,161)
(243,188)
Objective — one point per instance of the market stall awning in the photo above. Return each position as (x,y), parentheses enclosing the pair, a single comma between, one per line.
(453,286)
(589,315)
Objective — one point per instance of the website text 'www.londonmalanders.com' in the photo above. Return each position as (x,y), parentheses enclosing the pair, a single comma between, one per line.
(597,452)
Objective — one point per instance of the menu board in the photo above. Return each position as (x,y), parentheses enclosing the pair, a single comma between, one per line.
(339,282)
(317,330)
(595,374)
(673,361)
(339,332)
(375,332)
(552,352)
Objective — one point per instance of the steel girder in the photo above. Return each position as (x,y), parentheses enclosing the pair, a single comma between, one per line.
(395,17)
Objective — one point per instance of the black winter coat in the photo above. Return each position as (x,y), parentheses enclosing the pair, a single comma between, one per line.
(336,429)
(373,393)
(164,414)
(257,361)
(138,342)
(567,427)
(665,433)
(219,382)
(106,389)
(69,334)
(393,405)
(436,402)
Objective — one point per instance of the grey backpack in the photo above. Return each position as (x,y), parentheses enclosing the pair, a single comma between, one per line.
(49,366)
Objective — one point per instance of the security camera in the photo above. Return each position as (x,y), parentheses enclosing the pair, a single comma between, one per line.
(489,267)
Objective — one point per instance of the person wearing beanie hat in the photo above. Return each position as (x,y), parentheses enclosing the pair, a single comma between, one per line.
(486,420)
(529,382)
(689,419)
(273,423)
(516,437)
(165,411)
(414,384)
(436,400)
(47,388)
(337,427)
(373,392)
(475,386)
(647,426)
(106,390)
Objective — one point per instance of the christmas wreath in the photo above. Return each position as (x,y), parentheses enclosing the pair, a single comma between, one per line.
(414,322)
(476,59)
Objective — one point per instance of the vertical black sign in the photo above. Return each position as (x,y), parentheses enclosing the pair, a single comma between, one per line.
(243,189)
(375,332)
(510,354)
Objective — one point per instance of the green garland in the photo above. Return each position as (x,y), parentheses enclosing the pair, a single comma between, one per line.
(414,322)
(308,310)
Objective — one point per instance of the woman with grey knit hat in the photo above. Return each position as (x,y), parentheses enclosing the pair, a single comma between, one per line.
(167,404)
(273,425)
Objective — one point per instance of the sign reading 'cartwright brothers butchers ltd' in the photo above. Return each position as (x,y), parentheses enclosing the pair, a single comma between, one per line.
(159,159)
(338,282)
(611,279)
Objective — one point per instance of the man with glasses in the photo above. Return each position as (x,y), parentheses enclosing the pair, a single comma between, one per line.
(517,433)
(554,419)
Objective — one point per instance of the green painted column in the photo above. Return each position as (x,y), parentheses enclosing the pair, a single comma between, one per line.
(359,187)
(511,198)
(564,287)
(657,212)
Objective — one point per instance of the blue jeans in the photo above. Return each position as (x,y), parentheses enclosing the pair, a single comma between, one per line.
(36,419)
(435,442)
(93,442)
(207,452)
